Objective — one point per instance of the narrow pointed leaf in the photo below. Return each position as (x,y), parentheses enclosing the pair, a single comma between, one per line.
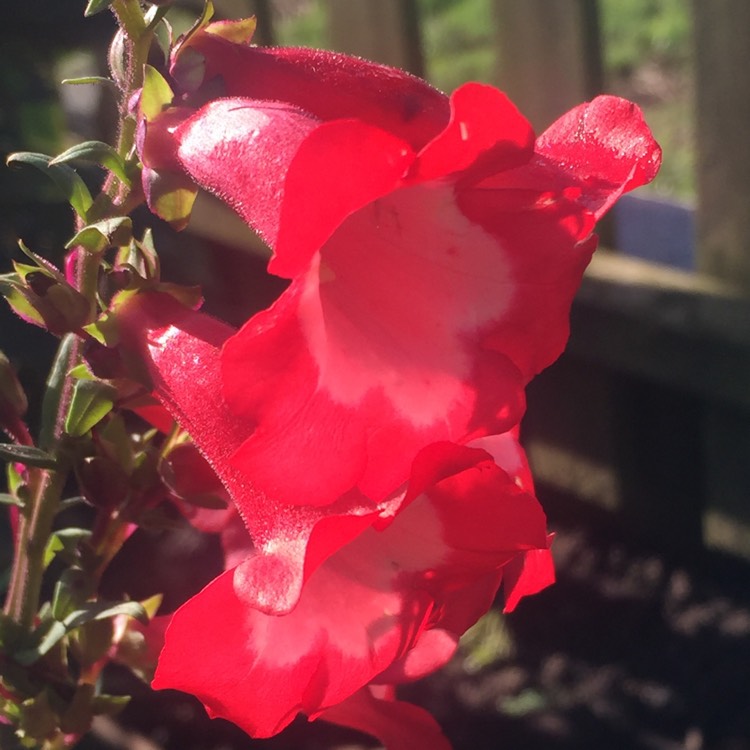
(27,455)
(64,540)
(109,705)
(49,633)
(6,499)
(98,80)
(56,380)
(96,237)
(206,16)
(97,152)
(156,93)
(41,262)
(92,401)
(105,610)
(96,6)
(73,187)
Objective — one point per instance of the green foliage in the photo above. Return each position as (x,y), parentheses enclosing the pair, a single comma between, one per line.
(98,153)
(92,400)
(102,234)
(72,186)
(458,41)
(645,31)
(304,28)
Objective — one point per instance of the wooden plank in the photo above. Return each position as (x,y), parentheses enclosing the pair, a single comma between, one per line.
(548,55)
(386,31)
(722,53)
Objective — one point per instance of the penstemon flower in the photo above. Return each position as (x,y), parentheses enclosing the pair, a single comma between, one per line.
(364,425)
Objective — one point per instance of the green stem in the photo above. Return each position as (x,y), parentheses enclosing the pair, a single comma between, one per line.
(46,486)
(138,38)
(34,530)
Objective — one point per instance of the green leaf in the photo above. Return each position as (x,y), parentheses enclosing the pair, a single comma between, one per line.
(17,296)
(152,604)
(99,80)
(71,502)
(27,455)
(65,541)
(47,635)
(92,400)
(109,705)
(72,186)
(96,237)
(150,260)
(97,152)
(51,631)
(40,262)
(172,198)
(205,17)
(96,6)
(156,93)
(78,715)
(6,499)
(73,588)
(104,610)
(162,30)
(104,330)
(56,383)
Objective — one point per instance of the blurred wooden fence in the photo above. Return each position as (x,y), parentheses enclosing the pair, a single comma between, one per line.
(648,413)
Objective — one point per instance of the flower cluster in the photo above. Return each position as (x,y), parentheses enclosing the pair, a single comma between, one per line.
(365,425)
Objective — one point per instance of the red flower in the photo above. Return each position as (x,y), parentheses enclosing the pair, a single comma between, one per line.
(389,605)
(406,579)
(433,246)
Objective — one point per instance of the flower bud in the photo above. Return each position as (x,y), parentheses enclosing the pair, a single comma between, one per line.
(117,59)
(46,301)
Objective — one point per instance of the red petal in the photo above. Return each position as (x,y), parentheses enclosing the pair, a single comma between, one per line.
(527,574)
(388,605)
(319,194)
(376,352)
(546,260)
(486,133)
(605,146)
(398,725)
(181,348)
(240,149)
(328,85)
(261,670)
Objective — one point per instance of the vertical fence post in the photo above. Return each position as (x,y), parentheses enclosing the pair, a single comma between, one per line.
(722,56)
(549,55)
(722,77)
(386,31)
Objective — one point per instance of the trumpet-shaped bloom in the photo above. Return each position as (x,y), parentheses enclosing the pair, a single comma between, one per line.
(364,425)
(388,606)
(433,247)
(390,587)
